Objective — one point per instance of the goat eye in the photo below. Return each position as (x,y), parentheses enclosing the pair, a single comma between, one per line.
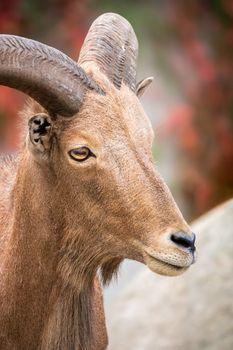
(80,154)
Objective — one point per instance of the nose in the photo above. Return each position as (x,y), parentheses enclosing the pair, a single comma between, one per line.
(184,241)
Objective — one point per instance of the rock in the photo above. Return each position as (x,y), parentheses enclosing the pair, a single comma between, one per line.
(190,312)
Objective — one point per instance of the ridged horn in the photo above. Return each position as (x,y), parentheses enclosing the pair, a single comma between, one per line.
(47,75)
(112,44)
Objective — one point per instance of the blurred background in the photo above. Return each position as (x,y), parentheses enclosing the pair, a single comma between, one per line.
(187,47)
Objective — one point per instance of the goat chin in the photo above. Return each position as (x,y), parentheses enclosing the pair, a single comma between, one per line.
(163,268)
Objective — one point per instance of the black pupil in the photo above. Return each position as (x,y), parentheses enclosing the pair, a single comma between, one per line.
(82,151)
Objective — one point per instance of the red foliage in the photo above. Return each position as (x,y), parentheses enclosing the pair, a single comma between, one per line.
(203,126)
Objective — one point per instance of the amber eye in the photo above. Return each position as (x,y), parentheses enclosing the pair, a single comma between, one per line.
(81,153)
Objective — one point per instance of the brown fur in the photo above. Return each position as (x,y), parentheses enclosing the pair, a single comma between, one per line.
(62,222)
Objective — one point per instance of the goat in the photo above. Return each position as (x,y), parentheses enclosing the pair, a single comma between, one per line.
(83,193)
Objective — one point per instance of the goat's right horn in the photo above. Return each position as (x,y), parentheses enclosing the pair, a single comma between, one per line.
(50,77)
(112,44)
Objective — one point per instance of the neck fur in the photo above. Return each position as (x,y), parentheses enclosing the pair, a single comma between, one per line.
(60,286)
(79,266)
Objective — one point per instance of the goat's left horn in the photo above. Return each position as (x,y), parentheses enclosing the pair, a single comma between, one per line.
(112,44)
(50,77)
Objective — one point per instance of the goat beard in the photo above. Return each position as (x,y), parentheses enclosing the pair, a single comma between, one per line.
(80,265)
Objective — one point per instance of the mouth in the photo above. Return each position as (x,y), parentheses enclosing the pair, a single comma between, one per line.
(163,267)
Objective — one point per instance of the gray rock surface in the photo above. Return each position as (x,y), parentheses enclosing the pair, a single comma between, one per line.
(190,312)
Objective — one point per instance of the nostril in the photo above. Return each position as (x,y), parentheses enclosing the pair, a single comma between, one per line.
(184,241)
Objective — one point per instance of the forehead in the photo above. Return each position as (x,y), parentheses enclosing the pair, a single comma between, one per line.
(118,114)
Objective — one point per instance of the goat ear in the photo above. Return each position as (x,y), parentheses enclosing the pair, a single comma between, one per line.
(142,85)
(40,127)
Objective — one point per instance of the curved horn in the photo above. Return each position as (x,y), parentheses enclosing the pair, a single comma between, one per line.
(112,44)
(50,77)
